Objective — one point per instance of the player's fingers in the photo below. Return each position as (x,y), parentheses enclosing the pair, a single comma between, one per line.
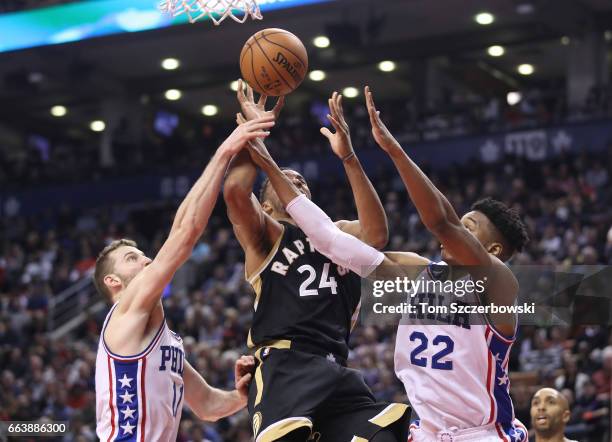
(250,93)
(334,123)
(280,103)
(267,121)
(258,134)
(244,381)
(262,101)
(240,118)
(339,106)
(259,126)
(240,91)
(371,99)
(327,133)
(330,105)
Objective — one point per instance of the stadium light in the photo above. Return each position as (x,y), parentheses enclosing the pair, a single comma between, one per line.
(514,98)
(484,18)
(321,41)
(525,69)
(496,51)
(170,64)
(317,75)
(387,66)
(350,92)
(210,110)
(565,40)
(234,85)
(97,125)
(58,111)
(173,94)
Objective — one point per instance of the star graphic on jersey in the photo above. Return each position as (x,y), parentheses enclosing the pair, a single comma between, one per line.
(504,379)
(126,397)
(128,413)
(127,428)
(498,357)
(515,435)
(126,381)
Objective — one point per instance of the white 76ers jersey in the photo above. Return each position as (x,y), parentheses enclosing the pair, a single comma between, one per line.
(454,366)
(140,397)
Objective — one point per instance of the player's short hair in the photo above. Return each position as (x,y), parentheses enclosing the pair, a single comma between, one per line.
(265,184)
(104,265)
(506,220)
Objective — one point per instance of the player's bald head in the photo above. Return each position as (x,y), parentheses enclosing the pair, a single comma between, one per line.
(546,393)
(549,412)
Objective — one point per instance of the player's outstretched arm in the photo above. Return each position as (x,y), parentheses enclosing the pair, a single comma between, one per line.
(342,248)
(372,225)
(190,221)
(435,211)
(211,404)
(244,211)
(440,218)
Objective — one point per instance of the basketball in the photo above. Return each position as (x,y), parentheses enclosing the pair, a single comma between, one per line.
(274,62)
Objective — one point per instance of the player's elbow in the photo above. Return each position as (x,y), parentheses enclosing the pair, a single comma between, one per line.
(235,190)
(378,238)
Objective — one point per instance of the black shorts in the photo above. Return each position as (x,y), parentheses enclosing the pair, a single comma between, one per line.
(294,389)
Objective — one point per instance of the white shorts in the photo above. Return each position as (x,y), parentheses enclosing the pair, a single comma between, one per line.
(515,432)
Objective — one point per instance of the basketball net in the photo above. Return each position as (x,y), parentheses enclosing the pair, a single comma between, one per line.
(217,10)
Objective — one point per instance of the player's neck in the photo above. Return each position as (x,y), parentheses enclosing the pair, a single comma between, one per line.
(284,216)
(559,437)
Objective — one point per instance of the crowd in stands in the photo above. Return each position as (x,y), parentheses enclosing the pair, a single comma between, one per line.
(161,147)
(565,203)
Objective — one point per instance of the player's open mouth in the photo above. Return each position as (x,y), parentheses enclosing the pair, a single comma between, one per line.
(541,419)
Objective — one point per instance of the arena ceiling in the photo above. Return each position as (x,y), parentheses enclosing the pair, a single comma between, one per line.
(81,76)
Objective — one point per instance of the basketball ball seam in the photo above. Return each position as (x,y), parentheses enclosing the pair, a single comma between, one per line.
(247,46)
(285,48)
(273,67)
(263,90)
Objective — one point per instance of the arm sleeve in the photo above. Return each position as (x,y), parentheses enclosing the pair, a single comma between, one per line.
(342,248)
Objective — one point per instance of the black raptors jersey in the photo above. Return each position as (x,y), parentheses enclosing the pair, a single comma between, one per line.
(302,297)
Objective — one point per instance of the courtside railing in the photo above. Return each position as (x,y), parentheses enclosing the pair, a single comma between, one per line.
(72,307)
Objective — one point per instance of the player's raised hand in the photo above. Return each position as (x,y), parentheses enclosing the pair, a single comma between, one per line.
(381,134)
(257,149)
(243,373)
(250,130)
(340,141)
(250,108)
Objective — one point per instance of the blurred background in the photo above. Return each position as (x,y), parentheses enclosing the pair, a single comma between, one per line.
(109,111)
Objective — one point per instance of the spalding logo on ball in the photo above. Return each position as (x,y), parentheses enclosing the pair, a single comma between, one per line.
(274,62)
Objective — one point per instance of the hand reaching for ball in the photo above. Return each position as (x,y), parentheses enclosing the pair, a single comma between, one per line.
(340,141)
(251,109)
